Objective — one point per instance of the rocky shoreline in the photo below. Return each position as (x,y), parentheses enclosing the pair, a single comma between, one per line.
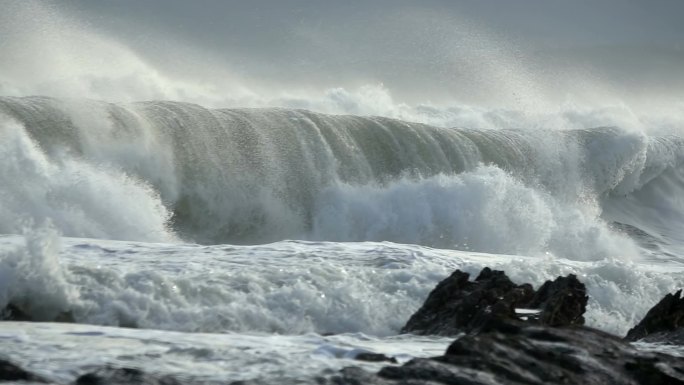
(516,335)
(509,334)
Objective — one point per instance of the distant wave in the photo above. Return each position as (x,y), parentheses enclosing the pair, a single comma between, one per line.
(160,171)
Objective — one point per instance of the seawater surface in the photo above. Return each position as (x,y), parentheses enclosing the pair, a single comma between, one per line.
(286,311)
(274,243)
(262,190)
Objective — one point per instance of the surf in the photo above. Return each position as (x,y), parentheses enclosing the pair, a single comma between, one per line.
(164,171)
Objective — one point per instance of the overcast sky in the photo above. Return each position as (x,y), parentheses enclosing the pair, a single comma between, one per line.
(419,50)
(553,21)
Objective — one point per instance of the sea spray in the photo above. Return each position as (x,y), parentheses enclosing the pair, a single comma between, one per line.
(81,198)
(260,175)
(32,277)
(484,210)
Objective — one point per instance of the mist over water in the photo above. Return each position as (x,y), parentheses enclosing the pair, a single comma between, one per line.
(271,172)
(431,63)
(506,154)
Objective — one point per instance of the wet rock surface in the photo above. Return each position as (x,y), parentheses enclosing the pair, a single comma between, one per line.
(664,323)
(519,353)
(562,301)
(124,376)
(459,305)
(10,372)
(375,357)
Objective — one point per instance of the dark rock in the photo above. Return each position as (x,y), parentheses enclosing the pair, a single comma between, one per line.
(562,301)
(12,372)
(519,353)
(124,376)
(663,323)
(458,305)
(14,312)
(375,357)
(353,376)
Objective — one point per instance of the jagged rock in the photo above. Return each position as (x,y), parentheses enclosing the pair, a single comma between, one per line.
(12,372)
(519,353)
(663,323)
(458,305)
(124,376)
(563,302)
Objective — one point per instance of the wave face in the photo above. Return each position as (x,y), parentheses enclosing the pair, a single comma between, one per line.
(163,171)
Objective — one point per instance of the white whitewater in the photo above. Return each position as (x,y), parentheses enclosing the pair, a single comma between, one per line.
(219,243)
(381,210)
(160,171)
(269,308)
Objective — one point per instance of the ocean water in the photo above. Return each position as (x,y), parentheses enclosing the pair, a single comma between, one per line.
(253,190)
(278,243)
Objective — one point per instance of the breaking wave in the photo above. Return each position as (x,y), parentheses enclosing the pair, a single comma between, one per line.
(163,171)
